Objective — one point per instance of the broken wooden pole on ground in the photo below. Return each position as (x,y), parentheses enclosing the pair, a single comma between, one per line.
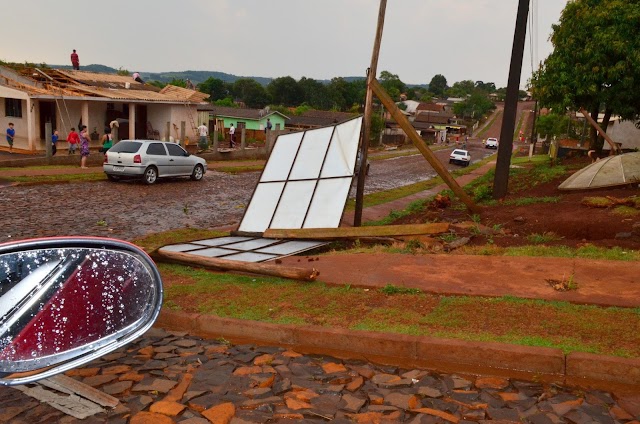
(355,232)
(408,129)
(294,273)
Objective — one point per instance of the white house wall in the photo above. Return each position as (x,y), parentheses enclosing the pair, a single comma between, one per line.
(20,124)
(179,114)
(159,115)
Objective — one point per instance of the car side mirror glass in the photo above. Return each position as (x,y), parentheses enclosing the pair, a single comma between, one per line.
(67,301)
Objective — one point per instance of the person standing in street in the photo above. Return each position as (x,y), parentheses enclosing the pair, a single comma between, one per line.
(204,133)
(11,135)
(84,146)
(54,141)
(75,60)
(232,136)
(269,125)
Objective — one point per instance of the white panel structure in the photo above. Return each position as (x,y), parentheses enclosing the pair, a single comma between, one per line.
(293,204)
(341,158)
(262,207)
(311,154)
(306,180)
(328,203)
(248,250)
(282,157)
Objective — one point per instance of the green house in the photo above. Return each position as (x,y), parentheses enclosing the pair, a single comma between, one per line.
(250,119)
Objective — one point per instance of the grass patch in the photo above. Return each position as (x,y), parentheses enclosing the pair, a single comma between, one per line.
(523,201)
(404,311)
(38,167)
(586,252)
(155,241)
(625,211)
(543,238)
(63,178)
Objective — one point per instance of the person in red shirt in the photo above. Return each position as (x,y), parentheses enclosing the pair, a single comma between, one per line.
(73,140)
(75,60)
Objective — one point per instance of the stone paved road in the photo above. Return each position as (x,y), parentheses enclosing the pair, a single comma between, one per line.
(170,377)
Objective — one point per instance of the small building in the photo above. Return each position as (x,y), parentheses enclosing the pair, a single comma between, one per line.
(31,97)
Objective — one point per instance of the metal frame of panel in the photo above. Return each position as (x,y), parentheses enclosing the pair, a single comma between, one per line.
(335,144)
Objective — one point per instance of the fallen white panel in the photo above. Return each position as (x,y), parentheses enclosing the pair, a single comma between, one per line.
(251,244)
(221,240)
(288,248)
(282,157)
(293,205)
(341,157)
(250,257)
(184,247)
(328,203)
(261,209)
(212,252)
(311,154)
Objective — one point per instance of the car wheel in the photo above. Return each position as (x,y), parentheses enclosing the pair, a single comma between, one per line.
(198,173)
(450,161)
(466,164)
(113,177)
(150,175)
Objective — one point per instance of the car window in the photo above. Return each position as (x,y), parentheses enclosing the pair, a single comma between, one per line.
(126,147)
(156,149)
(175,150)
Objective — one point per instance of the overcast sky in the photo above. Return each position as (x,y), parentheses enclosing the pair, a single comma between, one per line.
(321,39)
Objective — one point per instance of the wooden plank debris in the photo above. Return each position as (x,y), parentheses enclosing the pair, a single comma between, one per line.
(61,382)
(74,405)
(295,273)
(356,232)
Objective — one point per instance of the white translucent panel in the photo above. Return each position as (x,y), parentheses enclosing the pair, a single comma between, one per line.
(290,247)
(293,205)
(311,154)
(212,252)
(260,210)
(328,203)
(250,257)
(281,158)
(343,150)
(251,244)
(221,240)
(184,247)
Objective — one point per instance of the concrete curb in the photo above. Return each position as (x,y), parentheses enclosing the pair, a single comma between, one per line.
(442,355)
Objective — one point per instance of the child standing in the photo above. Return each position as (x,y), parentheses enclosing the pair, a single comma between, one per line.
(54,140)
(73,140)
(11,135)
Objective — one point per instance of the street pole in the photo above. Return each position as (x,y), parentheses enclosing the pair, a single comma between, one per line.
(366,125)
(501,180)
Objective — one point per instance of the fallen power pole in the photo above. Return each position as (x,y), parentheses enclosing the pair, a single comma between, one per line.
(294,273)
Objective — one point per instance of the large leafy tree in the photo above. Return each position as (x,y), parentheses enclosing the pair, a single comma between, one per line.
(462,88)
(392,84)
(286,91)
(215,88)
(316,94)
(595,64)
(438,85)
(252,93)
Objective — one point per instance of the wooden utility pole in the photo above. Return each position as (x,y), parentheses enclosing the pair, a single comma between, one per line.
(501,180)
(422,147)
(594,124)
(368,110)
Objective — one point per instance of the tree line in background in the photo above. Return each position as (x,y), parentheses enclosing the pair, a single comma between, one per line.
(341,94)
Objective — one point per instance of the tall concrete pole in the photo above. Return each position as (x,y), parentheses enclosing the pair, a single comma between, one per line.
(501,180)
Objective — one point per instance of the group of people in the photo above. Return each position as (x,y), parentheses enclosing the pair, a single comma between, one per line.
(76,139)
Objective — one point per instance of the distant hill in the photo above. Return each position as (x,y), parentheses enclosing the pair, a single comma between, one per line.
(196,77)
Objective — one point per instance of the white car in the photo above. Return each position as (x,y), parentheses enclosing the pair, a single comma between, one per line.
(460,157)
(492,143)
(150,160)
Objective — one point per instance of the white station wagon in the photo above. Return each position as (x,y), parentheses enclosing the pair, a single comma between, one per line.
(460,157)
(150,160)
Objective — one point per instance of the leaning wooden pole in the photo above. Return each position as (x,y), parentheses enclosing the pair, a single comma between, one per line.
(594,124)
(422,147)
(295,273)
(368,110)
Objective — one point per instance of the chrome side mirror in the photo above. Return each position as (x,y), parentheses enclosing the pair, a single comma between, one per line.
(67,301)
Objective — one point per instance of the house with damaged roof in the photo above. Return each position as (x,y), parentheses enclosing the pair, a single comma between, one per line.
(31,97)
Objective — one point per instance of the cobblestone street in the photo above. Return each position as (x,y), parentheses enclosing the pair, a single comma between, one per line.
(169,377)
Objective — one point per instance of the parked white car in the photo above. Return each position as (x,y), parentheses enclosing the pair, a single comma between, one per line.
(492,143)
(460,157)
(150,160)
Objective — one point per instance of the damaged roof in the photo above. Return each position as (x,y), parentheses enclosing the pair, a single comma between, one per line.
(42,83)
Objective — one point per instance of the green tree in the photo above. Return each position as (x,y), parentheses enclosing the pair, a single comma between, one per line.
(285,91)
(475,106)
(215,88)
(251,93)
(392,84)
(438,85)
(178,82)
(462,89)
(595,63)
(315,93)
